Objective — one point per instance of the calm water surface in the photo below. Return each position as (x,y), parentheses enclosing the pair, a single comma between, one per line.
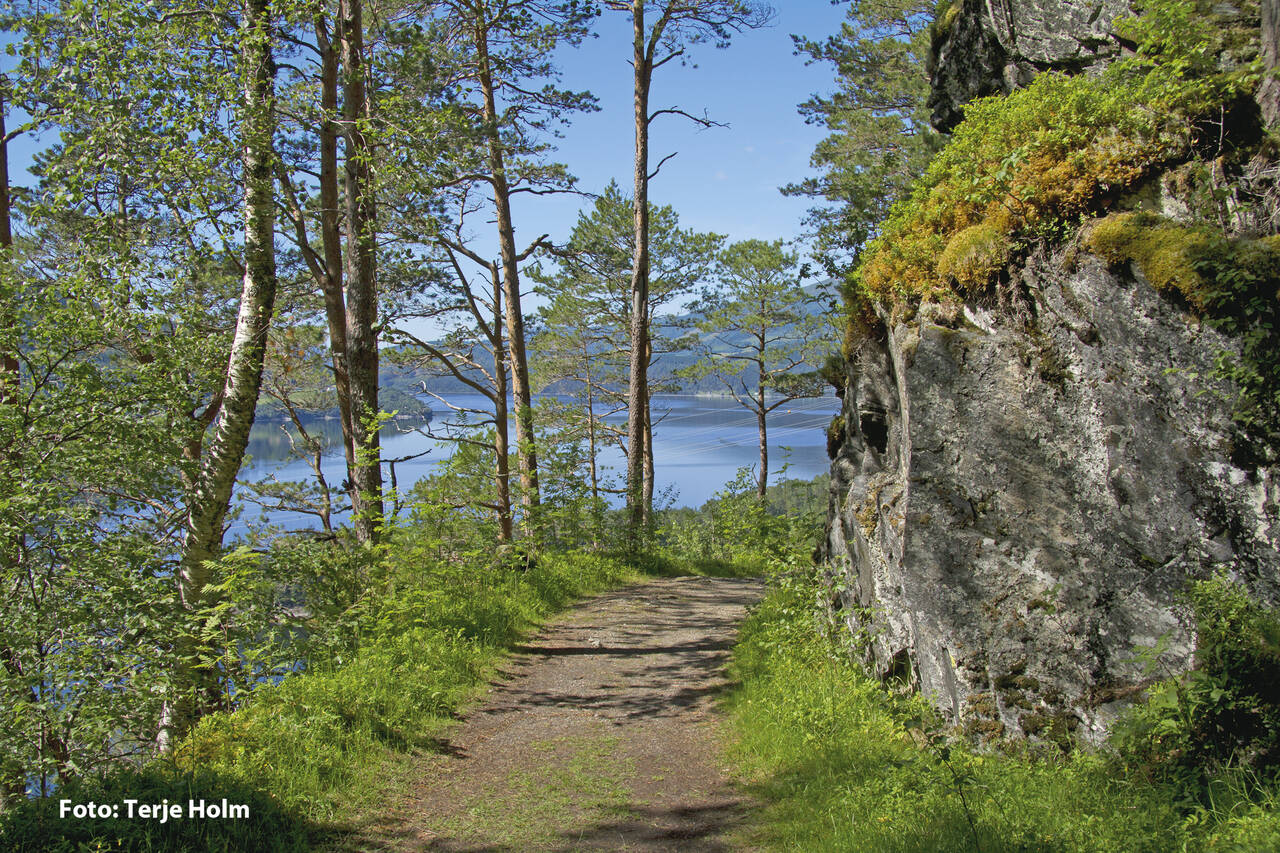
(699,445)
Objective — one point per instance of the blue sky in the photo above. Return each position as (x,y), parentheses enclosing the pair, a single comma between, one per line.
(723,179)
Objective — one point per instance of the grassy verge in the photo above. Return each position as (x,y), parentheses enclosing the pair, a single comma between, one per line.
(844,764)
(316,751)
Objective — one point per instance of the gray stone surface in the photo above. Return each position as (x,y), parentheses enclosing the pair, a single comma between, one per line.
(994,46)
(1019,500)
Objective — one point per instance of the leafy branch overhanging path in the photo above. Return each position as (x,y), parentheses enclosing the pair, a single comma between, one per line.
(601,735)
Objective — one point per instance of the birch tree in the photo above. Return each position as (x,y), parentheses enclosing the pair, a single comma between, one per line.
(212,494)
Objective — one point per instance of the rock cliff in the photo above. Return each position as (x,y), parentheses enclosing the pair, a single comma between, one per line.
(1023,484)
(988,47)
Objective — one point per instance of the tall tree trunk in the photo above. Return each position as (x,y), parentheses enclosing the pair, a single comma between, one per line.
(335,306)
(526,447)
(646,491)
(212,496)
(8,360)
(361,278)
(638,382)
(591,423)
(501,442)
(1269,92)
(764,435)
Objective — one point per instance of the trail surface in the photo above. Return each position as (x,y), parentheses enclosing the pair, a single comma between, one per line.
(600,735)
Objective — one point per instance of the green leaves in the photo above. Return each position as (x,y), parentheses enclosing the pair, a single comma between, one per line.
(881,139)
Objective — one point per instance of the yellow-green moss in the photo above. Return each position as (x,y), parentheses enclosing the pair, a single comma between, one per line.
(974,257)
(944,19)
(1032,163)
(1167,253)
(1198,262)
(836,433)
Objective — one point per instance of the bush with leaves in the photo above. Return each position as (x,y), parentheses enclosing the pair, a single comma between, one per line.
(1224,713)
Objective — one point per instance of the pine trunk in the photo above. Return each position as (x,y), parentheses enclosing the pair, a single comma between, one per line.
(501,442)
(522,394)
(638,382)
(335,306)
(764,440)
(361,279)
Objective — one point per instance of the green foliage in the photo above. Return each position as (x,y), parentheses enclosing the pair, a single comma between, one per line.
(422,642)
(759,329)
(736,528)
(841,763)
(586,322)
(109,366)
(1233,285)
(1223,714)
(881,139)
(760,333)
(1029,164)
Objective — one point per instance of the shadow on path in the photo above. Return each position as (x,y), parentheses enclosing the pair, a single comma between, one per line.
(601,735)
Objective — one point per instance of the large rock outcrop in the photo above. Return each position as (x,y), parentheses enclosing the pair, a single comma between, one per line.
(1023,485)
(1018,501)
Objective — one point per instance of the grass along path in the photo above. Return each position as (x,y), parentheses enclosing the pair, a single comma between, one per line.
(601,735)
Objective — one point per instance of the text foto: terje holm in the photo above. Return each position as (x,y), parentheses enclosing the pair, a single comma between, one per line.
(162,811)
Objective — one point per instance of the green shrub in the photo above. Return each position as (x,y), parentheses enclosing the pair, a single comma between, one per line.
(426,641)
(736,533)
(315,749)
(842,762)
(1225,713)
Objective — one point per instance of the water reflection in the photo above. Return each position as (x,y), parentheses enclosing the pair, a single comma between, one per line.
(700,442)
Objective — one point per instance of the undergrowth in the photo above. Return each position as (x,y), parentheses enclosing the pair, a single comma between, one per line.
(843,763)
(346,661)
(313,751)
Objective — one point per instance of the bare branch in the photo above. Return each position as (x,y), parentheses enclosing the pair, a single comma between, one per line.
(658,168)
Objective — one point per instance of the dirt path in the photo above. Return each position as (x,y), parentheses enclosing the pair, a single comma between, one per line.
(601,735)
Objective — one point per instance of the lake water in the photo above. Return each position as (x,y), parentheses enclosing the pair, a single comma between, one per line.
(699,443)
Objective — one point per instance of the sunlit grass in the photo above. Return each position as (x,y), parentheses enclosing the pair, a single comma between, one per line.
(843,764)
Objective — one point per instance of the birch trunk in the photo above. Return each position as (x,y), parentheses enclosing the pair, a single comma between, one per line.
(212,494)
